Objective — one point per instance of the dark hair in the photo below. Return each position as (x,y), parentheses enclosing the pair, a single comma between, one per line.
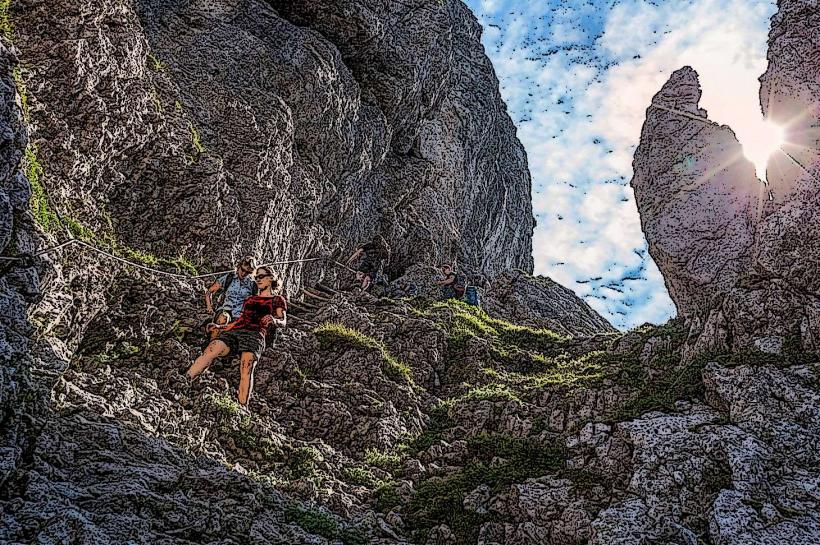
(248,260)
(276,283)
(446,266)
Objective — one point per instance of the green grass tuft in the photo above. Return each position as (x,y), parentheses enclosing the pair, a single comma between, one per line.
(494,460)
(359,476)
(321,523)
(303,462)
(330,334)
(5,20)
(196,139)
(382,460)
(154,63)
(43,215)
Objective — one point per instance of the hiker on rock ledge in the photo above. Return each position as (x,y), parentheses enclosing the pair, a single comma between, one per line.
(452,285)
(374,254)
(233,289)
(261,315)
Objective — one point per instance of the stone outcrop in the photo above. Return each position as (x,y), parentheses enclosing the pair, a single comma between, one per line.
(283,129)
(739,256)
(299,127)
(19,281)
(538,301)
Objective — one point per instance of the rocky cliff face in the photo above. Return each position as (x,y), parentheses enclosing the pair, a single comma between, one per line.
(214,129)
(740,258)
(167,128)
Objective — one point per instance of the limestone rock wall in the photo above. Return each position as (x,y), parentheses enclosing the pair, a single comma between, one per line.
(739,256)
(215,129)
(19,280)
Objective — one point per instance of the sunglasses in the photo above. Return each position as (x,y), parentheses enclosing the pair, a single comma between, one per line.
(261,276)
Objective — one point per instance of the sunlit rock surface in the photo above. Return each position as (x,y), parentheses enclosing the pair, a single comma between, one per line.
(739,256)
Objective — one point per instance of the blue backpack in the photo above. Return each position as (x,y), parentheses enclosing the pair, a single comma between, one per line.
(471,296)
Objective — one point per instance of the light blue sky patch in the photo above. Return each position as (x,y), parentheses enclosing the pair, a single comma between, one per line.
(577,77)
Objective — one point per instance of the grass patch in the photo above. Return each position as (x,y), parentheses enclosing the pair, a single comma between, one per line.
(196,139)
(154,63)
(322,523)
(659,393)
(17,76)
(121,351)
(360,476)
(506,339)
(440,421)
(5,20)
(386,497)
(490,392)
(333,334)
(303,462)
(494,460)
(382,460)
(237,424)
(43,214)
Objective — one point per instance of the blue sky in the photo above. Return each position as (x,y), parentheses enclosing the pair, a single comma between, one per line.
(577,77)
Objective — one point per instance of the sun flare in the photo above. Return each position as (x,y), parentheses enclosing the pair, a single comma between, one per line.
(760,142)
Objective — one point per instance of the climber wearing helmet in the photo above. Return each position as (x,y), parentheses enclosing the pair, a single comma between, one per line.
(247,336)
(233,288)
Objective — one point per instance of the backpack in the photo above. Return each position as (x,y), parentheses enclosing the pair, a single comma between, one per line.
(471,296)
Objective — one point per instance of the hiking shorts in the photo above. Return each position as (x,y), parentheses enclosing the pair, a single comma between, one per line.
(243,340)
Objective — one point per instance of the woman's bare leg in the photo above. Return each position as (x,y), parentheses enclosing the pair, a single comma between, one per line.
(247,363)
(214,350)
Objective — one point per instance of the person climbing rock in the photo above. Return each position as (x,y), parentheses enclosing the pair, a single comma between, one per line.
(231,290)
(373,256)
(452,285)
(248,336)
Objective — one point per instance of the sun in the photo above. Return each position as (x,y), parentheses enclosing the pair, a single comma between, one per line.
(760,142)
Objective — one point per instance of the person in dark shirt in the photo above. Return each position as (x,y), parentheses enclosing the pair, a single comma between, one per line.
(373,256)
(246,336)
(447,284)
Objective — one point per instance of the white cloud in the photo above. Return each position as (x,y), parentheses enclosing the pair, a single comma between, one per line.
(582,123)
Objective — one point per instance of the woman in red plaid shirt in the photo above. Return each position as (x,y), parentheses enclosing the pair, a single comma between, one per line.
(246,336)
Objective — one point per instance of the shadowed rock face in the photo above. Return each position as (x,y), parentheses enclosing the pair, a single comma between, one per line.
(282,129)
(740,259)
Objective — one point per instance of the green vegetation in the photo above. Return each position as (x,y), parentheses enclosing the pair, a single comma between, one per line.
(43,215)
(196,139)
(470,321)
(154,63)
(440,421)
(359,476)
(494,460)
(121,351)
(303,462)
(237,424)
(382,460)
(385,497)
(17,75)
(330,334)
(321,523)
(5,20)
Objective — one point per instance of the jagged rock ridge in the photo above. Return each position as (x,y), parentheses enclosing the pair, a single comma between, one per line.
(740,257)
(374,421)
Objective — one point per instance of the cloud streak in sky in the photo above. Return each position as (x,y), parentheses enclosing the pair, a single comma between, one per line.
(577,77)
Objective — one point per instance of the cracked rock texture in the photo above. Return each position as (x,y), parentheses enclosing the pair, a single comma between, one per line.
(740,257)
(287,128)
(214,128)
